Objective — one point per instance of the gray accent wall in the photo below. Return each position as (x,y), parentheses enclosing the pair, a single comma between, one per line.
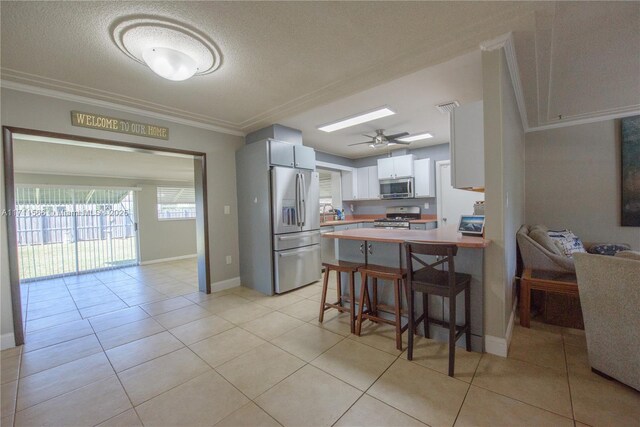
(332,158)
(31,111)
(573,181)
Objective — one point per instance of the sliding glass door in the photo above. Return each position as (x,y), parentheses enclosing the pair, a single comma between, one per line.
(70,230)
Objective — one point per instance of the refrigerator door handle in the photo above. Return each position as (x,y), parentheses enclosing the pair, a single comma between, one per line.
(297,199)
(303,201)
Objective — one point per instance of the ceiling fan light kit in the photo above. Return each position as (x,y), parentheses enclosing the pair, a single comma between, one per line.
(357,119)
(381,140)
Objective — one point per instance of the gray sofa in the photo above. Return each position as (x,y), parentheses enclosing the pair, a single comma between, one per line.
(610,297)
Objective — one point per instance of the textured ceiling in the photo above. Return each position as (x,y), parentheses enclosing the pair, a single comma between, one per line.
(279,58)
(32,156)
(302,63)
(412,97)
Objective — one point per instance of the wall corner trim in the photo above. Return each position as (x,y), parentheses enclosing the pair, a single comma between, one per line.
(7,341)
(234,282)
(497,345)
(506,41)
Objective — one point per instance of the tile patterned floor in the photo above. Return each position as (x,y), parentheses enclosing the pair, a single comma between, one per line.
(140,346)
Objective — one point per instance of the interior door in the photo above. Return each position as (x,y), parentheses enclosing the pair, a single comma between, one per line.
(452,203)
(284,187)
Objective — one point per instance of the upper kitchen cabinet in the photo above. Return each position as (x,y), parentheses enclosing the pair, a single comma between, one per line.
(467,146)
(424,181)
(305,157)
(361,184)
(291,155)
(281,153)
(396,167)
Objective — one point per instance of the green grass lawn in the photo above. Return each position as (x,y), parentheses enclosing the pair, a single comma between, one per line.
(60,258)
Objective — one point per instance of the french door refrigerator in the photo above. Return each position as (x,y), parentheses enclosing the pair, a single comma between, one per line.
(295,198)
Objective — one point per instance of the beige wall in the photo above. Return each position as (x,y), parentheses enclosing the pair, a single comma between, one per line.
(504,190)
(32,111)
(573,181)
(157,239)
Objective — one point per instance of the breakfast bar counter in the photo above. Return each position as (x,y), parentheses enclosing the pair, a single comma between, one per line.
(385,247)
(445,235)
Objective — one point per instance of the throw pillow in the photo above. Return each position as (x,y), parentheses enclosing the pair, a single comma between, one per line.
(567,242)
(608,249)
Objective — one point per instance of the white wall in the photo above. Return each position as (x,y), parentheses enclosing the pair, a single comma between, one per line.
(31,111)
(573,181)
(157,239)
(504,191)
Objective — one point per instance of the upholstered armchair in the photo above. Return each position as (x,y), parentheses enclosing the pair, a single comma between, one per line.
(540,253)
(609,289)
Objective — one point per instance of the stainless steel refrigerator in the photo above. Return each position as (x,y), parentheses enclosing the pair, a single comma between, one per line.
(278,216)
(295,195)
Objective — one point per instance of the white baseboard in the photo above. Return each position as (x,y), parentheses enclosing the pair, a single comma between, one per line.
(175,258)
(497,345)
(234,282)
(7,341)
(512,321)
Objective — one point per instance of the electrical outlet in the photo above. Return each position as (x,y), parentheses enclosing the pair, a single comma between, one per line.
(228,259)
(227,210)
(426,205)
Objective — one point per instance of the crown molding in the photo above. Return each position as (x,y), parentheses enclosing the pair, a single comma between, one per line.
(51,93)
(599,116)
(505,41)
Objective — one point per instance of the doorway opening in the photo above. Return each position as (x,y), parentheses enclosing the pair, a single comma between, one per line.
(97,226)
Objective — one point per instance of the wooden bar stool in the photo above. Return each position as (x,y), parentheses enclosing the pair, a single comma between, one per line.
(395,275)
(430,281)
(340,267)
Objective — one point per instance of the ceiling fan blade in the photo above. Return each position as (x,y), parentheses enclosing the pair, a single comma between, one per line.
(368,136)
(360,143)
(397,135)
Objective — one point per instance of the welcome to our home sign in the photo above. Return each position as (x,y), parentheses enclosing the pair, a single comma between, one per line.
(96,121)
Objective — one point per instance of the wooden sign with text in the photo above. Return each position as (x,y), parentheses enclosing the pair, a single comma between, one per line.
(96,121)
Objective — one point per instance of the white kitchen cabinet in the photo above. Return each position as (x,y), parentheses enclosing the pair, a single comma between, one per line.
(385,168)
(424,181)
(362,185)
(374,185)
(396,167)
(403,166)
(467,146)
(348,183)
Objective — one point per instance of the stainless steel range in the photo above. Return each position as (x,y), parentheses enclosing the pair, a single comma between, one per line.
(398,217)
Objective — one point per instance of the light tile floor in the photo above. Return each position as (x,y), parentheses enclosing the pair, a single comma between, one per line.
(140,346)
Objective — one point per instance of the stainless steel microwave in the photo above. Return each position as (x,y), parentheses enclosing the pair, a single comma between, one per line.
(397,188)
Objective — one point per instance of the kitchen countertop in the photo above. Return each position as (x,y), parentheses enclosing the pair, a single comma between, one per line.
(356,221)
(447,234)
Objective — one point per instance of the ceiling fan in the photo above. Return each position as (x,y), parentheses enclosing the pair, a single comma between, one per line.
(381,140)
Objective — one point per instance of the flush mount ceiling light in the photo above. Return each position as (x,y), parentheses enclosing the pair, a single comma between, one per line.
(170,63)
(357,119)
(416,137)
(170,48)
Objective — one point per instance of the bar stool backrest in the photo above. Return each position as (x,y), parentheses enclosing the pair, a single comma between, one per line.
(413,249)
